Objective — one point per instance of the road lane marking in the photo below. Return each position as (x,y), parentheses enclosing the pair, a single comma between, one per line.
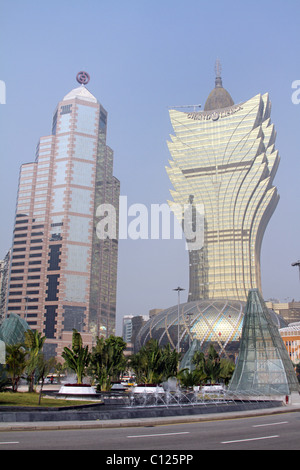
(252,439)
(269,424)
(11,442)
(154,435)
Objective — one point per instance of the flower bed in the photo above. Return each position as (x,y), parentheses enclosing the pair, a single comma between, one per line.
(77,385)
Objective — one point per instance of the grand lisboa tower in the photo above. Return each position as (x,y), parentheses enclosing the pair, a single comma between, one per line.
(223,161)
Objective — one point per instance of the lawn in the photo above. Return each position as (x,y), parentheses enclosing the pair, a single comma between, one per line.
(32,399)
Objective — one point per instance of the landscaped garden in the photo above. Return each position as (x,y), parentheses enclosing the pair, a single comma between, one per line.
(101,367)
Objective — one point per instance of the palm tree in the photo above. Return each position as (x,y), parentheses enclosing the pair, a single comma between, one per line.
(153,364)
(34,342)
(198,359)
(118,347)
(78,357)
(214,367)
(227,369)
(108,360)
(43,368)
(212,364)
(197,375)
(170,360)
(190,378)
(15,363)
(149,361)
(4,381)
(137,362)
(153,371)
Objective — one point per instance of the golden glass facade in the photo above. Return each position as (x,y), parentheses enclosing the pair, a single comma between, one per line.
(225,159)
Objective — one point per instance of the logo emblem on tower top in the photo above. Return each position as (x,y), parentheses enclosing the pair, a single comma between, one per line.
(83,78)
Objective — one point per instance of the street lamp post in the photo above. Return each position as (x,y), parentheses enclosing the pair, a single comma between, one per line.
(178,289)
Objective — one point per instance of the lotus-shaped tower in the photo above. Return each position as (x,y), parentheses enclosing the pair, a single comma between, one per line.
(224,160)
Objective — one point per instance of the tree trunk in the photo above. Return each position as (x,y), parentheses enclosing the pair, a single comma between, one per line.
(31,383)
(40,394)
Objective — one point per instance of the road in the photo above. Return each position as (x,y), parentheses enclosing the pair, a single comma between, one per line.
(273,432)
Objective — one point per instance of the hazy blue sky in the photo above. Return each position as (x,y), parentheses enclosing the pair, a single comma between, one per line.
(144,56)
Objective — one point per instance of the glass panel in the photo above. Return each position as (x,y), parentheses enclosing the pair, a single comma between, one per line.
(81,201)
(75,288)
(79,229)
(86,119)
(82,173)
(62,146)
(65,120)
(61,172)
(58,202)
(77,258)
(84,147)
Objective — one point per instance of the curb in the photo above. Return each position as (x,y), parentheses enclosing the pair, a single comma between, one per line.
(142,422)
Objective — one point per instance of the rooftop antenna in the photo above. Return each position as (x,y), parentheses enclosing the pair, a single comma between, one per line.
(218,68)
(218,72)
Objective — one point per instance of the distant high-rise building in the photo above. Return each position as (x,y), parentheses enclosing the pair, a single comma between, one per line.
(62,276)
(4,271)
(224,160)
(127,328)
(290,311)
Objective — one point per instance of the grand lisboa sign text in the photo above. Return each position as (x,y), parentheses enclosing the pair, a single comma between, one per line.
(214,115)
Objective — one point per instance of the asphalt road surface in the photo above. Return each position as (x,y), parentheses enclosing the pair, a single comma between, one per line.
(277,432)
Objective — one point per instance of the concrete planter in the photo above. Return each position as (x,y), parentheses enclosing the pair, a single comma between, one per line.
(147,388)
(77,391)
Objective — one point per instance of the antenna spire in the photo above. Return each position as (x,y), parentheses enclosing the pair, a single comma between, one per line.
(218,71)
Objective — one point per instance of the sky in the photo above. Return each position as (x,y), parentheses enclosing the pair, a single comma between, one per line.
(144,57)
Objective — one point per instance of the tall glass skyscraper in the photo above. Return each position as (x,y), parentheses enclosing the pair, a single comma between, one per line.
(62,276)
(224,158)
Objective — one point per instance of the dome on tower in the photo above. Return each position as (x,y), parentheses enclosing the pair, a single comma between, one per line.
(218,97)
